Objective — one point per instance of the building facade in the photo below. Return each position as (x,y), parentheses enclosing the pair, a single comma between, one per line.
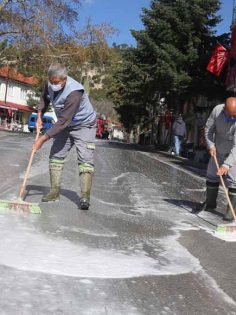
(15,89)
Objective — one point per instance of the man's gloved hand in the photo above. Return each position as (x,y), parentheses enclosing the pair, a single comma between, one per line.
(223,170)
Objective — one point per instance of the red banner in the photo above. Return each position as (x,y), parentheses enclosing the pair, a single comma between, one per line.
(219,59)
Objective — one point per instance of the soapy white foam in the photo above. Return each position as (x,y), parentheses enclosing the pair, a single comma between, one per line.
(122,175)
(177,257)
(227,237)
(184,226)
(34,251)
(144,205)
(85,231)
(144,197)
(24,248)
(113,310)
(211,283)
(107,203)
(86,281)
(208,280)
(200,189)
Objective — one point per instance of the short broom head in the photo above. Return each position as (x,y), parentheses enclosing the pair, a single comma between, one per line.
(226,228)
(20,205)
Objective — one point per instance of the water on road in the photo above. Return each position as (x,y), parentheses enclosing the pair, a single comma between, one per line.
(138,250)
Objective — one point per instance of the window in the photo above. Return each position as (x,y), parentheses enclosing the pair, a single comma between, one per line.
(18,116)
(23,94)
(10,90)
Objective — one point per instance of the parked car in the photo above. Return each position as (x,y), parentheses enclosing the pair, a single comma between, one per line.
(117,134)
(47,122)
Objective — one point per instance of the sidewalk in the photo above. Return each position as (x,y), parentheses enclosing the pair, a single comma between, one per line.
(185,161)
(4,129)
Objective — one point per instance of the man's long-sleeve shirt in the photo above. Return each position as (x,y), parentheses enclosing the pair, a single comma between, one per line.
(222,135)
(71,106)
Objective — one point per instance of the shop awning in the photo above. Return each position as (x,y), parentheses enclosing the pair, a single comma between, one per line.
(14,106)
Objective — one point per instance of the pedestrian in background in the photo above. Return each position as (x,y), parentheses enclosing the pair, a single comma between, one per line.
(179,133)
(76,125)
(220,137)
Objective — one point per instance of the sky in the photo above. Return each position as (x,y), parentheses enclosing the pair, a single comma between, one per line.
(125,15)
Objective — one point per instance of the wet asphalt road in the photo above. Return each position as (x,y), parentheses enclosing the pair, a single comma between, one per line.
(138,250)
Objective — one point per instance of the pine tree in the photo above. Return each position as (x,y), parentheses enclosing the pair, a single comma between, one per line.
(176,43)
(171,56)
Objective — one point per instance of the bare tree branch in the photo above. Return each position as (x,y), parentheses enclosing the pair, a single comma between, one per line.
(3,4)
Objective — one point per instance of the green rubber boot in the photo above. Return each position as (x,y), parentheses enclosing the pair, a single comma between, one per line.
(55,169)
(85,184)
(211,196)
(232,196)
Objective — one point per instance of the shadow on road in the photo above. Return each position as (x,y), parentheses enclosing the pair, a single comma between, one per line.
(35,190)
(190,206)
(193,207)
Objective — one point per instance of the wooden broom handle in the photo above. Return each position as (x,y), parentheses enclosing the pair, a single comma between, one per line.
(225,189)
(22,189)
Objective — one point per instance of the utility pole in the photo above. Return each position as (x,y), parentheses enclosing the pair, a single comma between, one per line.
(7,83)
(234,15)
(231,74)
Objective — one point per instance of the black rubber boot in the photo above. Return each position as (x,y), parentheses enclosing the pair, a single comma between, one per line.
(211,196)
(55,169)
(85,184)
(232,196)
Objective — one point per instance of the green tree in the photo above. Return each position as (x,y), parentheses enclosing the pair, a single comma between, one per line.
(176,44)
(127,87)
(171,56)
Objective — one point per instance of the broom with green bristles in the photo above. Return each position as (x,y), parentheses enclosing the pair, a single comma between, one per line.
(231,227)
(19,204)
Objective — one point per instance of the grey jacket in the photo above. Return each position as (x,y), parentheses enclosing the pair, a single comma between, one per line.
(222,135)
(179,127)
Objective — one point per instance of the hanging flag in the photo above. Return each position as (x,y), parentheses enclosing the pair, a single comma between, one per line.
(219,60)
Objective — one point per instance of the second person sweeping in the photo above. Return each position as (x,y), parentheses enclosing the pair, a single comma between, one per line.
(75,126)
(220,136)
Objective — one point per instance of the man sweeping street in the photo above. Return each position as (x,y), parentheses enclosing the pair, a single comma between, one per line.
(220,136)
(76,125)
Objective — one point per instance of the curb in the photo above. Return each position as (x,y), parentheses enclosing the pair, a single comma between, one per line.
(185,160)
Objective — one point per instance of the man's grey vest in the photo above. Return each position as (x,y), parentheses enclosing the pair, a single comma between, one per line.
(85,115)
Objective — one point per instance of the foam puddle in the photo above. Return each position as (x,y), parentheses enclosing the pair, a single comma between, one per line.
(173,251)
(202,274)
(23,248)
(87,232)
(230,237)
(227,237)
